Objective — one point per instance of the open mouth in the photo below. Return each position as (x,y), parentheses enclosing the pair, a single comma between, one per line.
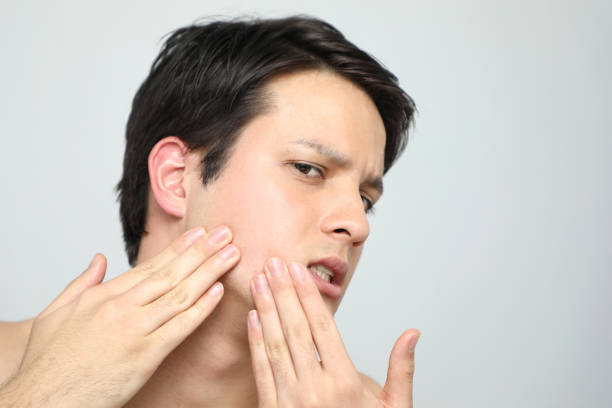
(322,272)
(328,274)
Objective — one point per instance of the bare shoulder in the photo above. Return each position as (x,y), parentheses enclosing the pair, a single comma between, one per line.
(13,339)
(370,383)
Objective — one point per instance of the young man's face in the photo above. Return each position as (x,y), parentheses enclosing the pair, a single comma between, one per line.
(297,181)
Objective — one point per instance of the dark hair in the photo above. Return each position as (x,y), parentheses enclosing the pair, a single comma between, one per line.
(206,85)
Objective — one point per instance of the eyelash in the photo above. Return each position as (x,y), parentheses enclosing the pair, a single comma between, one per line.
(369,206)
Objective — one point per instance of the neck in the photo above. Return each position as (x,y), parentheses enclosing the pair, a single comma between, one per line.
(212,367)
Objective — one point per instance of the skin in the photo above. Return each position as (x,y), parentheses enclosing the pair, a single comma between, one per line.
(16,337)
(287,371)
(100,343)
(13,340)
(280,199)
(274,210)
(318,218)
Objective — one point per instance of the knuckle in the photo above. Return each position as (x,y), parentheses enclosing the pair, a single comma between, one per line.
(222,263)
(347,388)
(312,400)
(200,310)
(178,296)
(131,331)
(203,246)
(342,385)
(146,268)
(177,247)
(321,323)
(275,349)
(283,288)
(134,348)
(217,263)
(266,307)
(165,277)
(182,320)
(109,311)
(261,370)
(297,331)
(315,399)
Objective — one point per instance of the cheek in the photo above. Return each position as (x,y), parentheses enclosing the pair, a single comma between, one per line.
(267,219)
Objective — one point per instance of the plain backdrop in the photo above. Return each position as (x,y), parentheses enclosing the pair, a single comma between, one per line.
(494,234)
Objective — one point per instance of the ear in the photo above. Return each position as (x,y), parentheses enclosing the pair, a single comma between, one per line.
(167,175)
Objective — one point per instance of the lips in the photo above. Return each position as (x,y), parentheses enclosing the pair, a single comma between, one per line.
(339,268)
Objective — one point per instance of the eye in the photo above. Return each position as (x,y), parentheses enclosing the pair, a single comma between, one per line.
(367,205)
(312,171)
(308,169)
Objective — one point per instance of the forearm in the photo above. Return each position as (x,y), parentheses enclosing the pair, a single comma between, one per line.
(40,385)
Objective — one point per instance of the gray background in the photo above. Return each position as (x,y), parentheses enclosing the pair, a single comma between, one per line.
(494,234)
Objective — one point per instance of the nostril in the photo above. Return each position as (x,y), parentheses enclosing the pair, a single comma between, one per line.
(341,231)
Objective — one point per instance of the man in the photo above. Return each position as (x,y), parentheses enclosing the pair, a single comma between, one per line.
(274,136)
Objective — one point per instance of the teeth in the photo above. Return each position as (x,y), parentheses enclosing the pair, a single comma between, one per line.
(322,272)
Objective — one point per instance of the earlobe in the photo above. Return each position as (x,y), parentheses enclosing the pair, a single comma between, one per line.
(166,173)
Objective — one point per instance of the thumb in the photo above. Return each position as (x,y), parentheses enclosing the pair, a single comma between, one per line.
(397,391)
(92,276)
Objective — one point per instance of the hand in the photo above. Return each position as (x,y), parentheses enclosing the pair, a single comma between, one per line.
(15,336)
(103,345)
(42,329)
(290,320)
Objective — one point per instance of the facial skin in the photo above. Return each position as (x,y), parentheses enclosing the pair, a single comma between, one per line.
(304,213)
(273,210)
(297,213)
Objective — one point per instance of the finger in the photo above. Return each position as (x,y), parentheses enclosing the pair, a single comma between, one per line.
(274,340)
(293,320)
(145,269)
(264,379)
(322,325)
(92,276)
(189,290)
(165,279)
(173,332)
(398,387)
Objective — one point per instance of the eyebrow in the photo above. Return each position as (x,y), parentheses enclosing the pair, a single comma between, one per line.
(340,159)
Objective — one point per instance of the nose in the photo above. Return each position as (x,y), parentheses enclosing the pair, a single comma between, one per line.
(346,220)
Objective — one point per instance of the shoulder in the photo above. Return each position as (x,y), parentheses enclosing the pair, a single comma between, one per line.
(370,383)
(13,341)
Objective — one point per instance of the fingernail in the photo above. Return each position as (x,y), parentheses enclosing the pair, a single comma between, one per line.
(413,342)
(218,235)
(275,266)
(216,289)
(228,252)
(296,271)
(261,284)
(254,319)
(193,235)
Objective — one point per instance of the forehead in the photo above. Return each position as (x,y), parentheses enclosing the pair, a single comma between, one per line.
(323,108)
